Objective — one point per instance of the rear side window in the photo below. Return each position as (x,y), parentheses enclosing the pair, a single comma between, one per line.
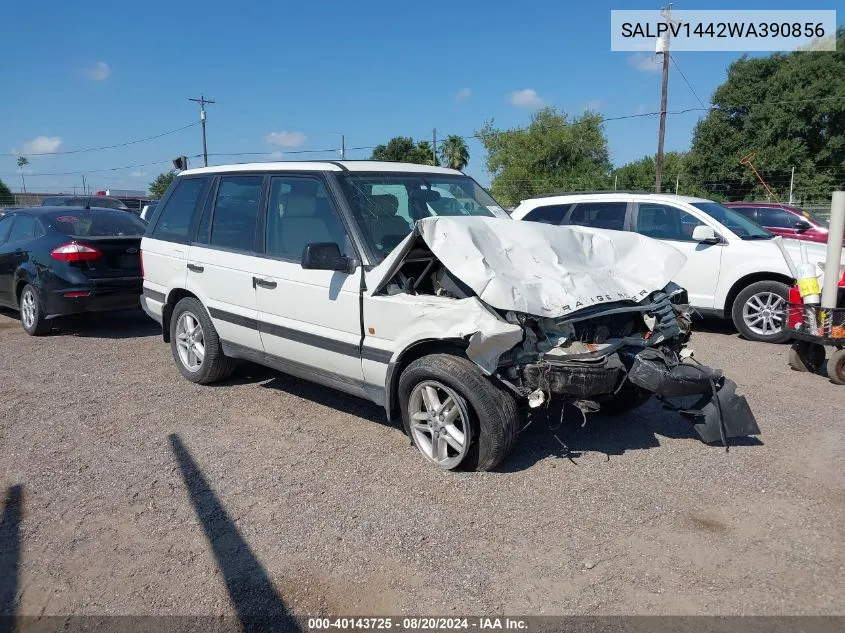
(599,215)
(236,212)
(6,228)
(549,214)
(25,228)
(176,217)
(96,222)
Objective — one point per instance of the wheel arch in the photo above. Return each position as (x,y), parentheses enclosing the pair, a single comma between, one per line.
(743,282)
(173,297)
(415,350)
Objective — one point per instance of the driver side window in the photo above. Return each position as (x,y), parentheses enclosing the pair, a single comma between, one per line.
(665,222)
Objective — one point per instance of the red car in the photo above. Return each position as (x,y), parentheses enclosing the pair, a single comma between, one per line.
(783,220)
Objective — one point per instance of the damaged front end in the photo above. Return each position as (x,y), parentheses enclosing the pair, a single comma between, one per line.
(619,354)
(563,315)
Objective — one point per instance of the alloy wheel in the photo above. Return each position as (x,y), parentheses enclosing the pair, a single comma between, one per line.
(763,313)
(439,423)
(190,341)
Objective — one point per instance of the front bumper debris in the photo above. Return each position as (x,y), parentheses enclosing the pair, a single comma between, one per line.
(717,414)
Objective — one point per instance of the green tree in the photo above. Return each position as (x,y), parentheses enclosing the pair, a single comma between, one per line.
(454,152)
(788,109)
(640,174)
(551,154)
(23,161)
(402,149)
(6,196)
(161,183)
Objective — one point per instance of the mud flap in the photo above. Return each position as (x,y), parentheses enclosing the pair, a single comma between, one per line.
(723,416)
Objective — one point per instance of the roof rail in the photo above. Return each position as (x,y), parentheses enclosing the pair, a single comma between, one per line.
(585,191)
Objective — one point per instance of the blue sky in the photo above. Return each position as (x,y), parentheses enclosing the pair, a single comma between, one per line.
(293,76)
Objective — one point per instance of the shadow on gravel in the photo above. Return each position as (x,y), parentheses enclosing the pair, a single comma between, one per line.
(610,435)
(113,325)
(713,326)
(258,605)
(10,556)
(329,398)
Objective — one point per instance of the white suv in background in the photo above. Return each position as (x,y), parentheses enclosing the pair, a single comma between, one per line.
(735,269)
(409,286)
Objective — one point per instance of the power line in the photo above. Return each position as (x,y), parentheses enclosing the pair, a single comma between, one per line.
(105,147)
(686,81)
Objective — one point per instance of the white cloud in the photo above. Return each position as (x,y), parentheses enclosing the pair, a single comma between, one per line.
(463,94)
(527,98)
(593,104)
(285,139)
(42,145)
(138,174)
(641,109)
(645,62)
(100,72)
(276,155)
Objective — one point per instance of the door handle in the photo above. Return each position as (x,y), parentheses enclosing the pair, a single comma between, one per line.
(264,283)
(195,268)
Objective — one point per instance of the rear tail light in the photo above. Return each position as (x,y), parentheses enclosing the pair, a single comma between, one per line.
(75,252)
(77,294)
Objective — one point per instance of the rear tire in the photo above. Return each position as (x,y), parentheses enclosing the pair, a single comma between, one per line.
(489,418)
(806,357)
(836,367)
(759,312)
(33,319)
(195,345)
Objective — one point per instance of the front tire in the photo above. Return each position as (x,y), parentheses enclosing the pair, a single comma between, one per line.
(759,312)
(195,345)
(455,415)
(33,319)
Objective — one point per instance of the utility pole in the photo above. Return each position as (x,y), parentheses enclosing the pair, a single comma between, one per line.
(677,183)
(342,147)
(434,147)
(791,184)
(662,47)
(202,101)
(615,181)
(84,186)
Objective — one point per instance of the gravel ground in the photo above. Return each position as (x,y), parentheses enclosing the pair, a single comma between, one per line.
(144,494)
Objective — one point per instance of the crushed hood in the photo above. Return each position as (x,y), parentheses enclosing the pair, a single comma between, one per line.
(539,269)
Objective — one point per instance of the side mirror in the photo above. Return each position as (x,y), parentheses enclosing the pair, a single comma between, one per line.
(324,256)
(705,235)
(802,225)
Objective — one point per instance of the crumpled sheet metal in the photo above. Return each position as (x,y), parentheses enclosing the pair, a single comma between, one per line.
(539,269)
(443,318)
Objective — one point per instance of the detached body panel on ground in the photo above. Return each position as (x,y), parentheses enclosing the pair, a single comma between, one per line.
(408,285)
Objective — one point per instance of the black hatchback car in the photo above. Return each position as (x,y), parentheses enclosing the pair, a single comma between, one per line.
(56,261)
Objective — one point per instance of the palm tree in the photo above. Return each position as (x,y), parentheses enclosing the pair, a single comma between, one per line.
(454,152)
(23,161)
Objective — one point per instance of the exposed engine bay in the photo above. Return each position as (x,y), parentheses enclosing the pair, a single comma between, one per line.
(614,349)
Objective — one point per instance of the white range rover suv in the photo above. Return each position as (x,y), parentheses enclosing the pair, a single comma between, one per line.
(735,269)
(409,286)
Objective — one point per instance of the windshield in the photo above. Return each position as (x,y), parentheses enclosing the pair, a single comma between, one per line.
(386,206)
(746,229)
(83,201)
(96,223)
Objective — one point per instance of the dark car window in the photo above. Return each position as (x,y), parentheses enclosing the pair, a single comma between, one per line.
(300,212)
(236,211)
(25,228)
(176,217)
(775,218)
(84,201)
(95,222)
(748,212)
(5,228)
(664,222)
(548,214)
(599,215)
